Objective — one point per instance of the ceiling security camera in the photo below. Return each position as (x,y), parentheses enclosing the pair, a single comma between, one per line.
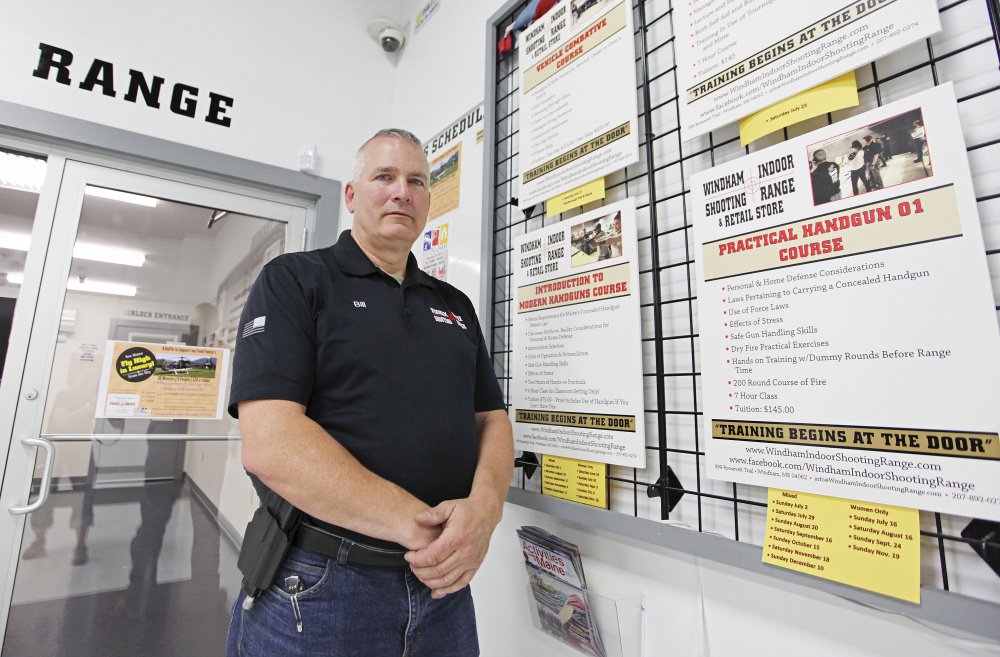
(390,39)
(388,35)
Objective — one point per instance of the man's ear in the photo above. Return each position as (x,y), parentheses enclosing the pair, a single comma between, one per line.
(349,196)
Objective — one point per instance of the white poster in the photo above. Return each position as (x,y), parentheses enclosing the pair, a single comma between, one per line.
(450,248)
(577,370)
(849,342)
(735,57)
(578,97)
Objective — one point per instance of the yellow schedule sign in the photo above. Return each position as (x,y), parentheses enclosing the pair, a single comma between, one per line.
(577,481)
(870,546)
(835,94)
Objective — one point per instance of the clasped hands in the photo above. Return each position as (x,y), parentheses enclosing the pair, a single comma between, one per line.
(448,563)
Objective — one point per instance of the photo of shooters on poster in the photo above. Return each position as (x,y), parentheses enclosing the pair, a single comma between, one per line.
(598,239)
(878,156)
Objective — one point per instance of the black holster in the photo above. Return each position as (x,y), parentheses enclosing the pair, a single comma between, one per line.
(266,543)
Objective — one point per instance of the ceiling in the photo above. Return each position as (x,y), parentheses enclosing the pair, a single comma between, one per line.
(184,257)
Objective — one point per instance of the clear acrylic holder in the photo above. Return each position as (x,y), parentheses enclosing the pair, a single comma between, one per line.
(619,623)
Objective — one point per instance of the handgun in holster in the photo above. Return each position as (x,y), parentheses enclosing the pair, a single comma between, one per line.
(266,543)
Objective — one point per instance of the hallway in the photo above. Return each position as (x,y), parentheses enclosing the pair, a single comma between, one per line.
(170,597)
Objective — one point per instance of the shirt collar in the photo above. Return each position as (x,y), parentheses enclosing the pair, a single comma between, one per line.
(352,260)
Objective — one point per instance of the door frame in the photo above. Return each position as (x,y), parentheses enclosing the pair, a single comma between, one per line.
(66,141)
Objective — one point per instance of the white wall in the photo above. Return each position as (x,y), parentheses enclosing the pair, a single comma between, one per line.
(302,73)
(441,69)
(693,607)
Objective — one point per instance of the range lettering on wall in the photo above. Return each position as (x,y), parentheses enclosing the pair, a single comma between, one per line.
(100,75)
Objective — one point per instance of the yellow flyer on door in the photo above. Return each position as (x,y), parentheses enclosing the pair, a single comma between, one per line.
(167,382)
(870,546)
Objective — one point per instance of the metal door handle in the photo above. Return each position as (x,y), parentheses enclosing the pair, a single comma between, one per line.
(43,487)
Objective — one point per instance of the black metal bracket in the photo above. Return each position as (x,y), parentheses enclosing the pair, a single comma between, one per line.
(528,461)
(668,487)
(986,535)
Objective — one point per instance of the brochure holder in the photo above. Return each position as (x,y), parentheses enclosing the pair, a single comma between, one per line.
(619,622)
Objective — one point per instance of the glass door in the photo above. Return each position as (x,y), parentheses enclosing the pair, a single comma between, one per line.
(124,495)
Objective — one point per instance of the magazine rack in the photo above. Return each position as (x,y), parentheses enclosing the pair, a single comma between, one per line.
(619,621)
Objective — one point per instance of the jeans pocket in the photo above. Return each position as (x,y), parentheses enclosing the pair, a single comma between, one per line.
(303,575)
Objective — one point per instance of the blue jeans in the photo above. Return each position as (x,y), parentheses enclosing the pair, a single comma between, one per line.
(348,610)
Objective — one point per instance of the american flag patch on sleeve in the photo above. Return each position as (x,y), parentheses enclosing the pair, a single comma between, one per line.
(256,326)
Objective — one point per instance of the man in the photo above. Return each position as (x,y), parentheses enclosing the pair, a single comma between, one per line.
(873,160)
(366,399)
(856,164)
(919,139)
(825,179)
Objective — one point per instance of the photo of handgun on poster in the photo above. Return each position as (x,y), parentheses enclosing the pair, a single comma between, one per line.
(576,388)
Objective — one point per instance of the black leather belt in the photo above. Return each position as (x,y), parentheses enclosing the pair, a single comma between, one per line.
(314,539)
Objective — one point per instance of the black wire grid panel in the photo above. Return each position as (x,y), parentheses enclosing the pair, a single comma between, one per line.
(965,52)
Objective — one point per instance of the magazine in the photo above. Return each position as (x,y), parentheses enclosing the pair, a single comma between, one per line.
(558,586)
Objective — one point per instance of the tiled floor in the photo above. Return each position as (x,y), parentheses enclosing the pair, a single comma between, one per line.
(152,575)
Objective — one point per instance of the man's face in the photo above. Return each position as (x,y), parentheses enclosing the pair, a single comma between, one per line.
(390,198)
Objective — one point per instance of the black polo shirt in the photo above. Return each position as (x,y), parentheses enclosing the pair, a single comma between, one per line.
(395,373)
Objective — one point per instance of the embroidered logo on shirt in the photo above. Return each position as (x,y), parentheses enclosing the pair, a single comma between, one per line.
(256,326)
(447,318)
(360,304)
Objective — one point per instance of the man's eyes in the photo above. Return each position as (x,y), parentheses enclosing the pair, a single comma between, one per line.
(388,177)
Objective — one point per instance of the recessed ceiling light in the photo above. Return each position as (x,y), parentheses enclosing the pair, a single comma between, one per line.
(116,255)
(21,172)
(125,197)
(101,287)
(112,254)
(15,241)
(86,285)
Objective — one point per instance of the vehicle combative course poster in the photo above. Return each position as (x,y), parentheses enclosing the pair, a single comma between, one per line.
(737,57)
(577,370)
(849,342)
(578,97)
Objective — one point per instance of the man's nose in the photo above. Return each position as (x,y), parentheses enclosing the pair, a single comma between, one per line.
(401,190)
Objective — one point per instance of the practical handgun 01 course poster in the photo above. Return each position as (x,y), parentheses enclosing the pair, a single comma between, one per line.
(848,335)
(735,57)
(160,381)
(577,367)
(578,97)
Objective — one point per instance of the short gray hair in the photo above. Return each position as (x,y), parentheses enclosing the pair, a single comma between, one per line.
(394,133)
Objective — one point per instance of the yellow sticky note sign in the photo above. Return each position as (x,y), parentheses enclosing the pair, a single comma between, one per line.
(835,94)
(585,482)
(870,546)
(574,198)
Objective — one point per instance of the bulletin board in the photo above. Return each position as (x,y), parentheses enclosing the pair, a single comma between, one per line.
(716,519)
